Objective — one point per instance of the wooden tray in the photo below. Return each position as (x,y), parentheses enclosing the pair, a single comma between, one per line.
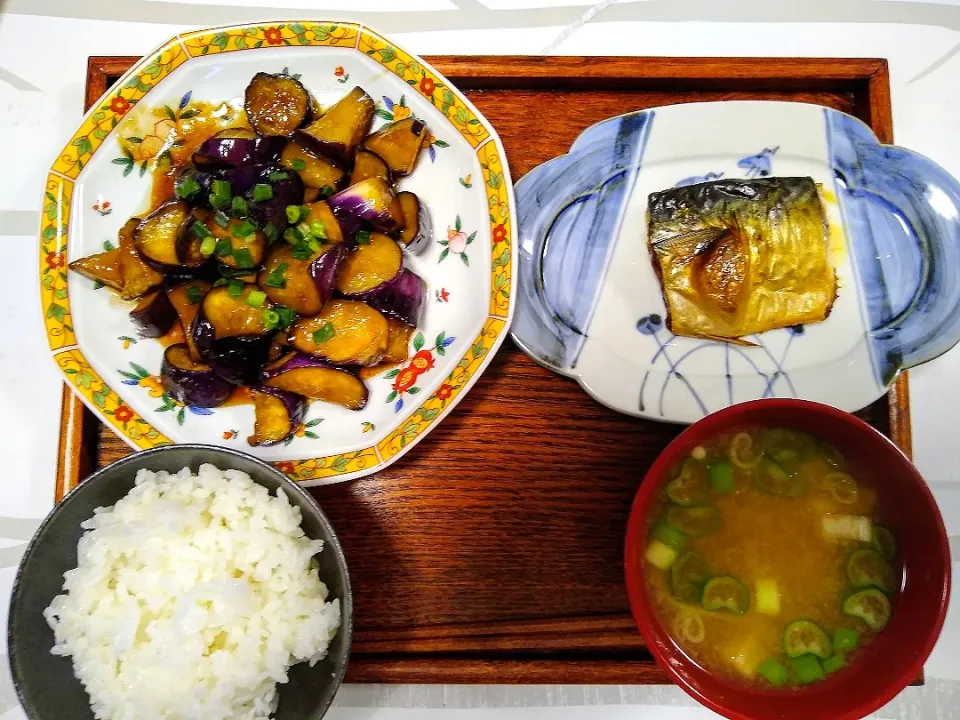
(493,553)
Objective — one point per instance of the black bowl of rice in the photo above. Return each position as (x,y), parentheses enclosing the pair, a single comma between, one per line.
(182,582)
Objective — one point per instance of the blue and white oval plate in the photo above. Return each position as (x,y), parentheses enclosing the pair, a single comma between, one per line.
(591,306)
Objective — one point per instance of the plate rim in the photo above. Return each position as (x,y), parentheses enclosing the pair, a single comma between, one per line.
(462,116)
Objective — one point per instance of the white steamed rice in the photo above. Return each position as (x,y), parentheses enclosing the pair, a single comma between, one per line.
(192,597)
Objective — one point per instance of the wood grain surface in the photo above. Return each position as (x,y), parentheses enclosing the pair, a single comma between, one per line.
(492,553)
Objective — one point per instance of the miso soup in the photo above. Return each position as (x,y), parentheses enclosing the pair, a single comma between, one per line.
(768,560)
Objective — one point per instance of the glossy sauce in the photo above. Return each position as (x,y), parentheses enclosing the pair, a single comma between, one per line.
(765,536)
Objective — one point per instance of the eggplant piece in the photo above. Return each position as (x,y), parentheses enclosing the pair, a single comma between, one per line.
(315,379)
(344,333)
(241,359)
(270,206)
(316,172)
(153,315)
(311,195)
(105,267)
(237,147)
(320,212)
(302,285)
(185,299)
(398,341)
(371,201)
(162,239)
(276,415)
(276,104)
(339,130)
(138,277)
(234,249)
(230,335)
(398,144)
(402,297)
(417,224)
(369,266)
(279,346)
(367,164)
(226,313)
(191,382)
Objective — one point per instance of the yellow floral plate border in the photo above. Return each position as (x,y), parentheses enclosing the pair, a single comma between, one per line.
(134,85)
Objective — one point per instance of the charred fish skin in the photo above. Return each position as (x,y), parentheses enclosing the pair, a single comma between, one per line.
(738,257)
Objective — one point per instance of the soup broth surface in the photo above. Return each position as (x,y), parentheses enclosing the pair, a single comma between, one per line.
(779,518)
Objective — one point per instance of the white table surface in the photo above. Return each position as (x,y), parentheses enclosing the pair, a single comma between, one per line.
(44,45)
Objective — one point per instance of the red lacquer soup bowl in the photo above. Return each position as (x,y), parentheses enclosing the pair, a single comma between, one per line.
(896,656)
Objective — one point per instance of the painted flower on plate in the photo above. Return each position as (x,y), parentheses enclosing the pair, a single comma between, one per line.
(444,391)
(119,105)
(422,361)
(273,36)
(405,379)
(123,414)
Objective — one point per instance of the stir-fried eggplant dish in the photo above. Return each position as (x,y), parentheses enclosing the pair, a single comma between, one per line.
(737,257)
(280,254)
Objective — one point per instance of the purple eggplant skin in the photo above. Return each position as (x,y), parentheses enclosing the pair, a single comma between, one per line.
(199,386)
(424,233)
(324,270)
(402,297)
(372,202)
(296,407)
(353,395)
(239,359)
(232,148)
(287,190)
(153,315)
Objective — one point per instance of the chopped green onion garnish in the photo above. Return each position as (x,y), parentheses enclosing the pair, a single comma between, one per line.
(221,187)
(270,230)
(324,333)
(845,639)
(280,175)
(271,319)
(199,230)
(221,219)
(262,192)
(775,673)
(362,237)
(221,193)
(287,315)
(207,247)
(256,298)
(318,230)
(194,296)
(187,187)
(239,206)
(243,230)
(835,662)
(301,251)
(298,165)
(242,258)
(224,247)
(275,278)
(292,235)
(235,289)
(220,282)
(293,214)
(326,191)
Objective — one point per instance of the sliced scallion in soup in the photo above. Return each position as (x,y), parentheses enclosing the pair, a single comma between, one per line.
(769,559)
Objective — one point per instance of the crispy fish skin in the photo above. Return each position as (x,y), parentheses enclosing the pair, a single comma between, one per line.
(738,257)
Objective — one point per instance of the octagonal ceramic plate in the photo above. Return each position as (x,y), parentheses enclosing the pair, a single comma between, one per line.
(102,177)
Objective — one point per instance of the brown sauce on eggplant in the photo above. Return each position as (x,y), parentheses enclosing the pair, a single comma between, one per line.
(167,144)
